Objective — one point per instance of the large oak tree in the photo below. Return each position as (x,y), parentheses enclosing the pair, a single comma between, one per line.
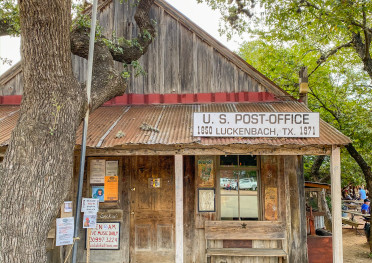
(37,167)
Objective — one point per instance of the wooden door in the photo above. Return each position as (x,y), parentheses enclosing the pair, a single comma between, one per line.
(152,210)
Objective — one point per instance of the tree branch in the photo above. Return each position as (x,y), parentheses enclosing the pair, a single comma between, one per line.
(132,50)
(323,58)
(366,34)
(361,49)
(107,81)
(333,113)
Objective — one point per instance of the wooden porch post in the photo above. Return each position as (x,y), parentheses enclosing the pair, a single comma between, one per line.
(336,205)
(178,162)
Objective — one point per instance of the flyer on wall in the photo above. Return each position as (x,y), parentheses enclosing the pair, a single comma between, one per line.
(90,220)
(64,231)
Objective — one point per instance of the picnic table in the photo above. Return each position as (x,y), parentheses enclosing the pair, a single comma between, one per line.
(356,213)
(353,201)
(353,206)
(352,222)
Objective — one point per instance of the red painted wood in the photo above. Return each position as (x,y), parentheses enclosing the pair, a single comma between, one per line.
(153,98)
(141,99)
(204,97)
(187,98)
(136,99)
(319,249)
(11,100)
(221,97)
(170,98)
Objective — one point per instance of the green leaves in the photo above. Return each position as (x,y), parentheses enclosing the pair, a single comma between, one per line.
(9,18)
(340,91)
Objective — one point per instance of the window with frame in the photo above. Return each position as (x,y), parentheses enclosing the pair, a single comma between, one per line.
(238,187)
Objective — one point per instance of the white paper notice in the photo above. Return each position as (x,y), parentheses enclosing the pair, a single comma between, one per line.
(68,206)
(90,205)
(112,168)
(64,231)
(97,171)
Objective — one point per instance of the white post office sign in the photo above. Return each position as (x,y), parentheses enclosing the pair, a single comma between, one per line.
(257,124)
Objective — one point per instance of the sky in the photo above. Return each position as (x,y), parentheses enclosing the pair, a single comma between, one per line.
(201,14)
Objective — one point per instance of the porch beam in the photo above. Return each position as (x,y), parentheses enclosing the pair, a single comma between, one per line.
(336,205)
(178,162)
(161,149)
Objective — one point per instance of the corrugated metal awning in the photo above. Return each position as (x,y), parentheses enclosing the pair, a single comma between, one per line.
(119,126)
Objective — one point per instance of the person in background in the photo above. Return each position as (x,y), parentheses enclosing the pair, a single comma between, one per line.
(365,207)
(362,193)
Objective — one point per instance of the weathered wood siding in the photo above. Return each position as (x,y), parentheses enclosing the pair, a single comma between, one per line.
(281,172)
(182,58)
(178,61)
(11,82)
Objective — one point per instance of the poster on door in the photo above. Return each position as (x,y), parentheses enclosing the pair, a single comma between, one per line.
(106,236)
(97,171)
(112,168)
(111,188)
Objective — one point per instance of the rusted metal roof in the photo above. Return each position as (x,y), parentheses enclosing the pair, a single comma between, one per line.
(172,125)
(8,120)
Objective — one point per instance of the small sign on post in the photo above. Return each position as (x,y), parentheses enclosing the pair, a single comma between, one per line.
(90,207)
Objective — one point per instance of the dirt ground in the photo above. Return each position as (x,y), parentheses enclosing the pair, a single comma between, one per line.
(356,248)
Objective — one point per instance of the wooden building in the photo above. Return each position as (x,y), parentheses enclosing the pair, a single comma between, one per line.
(184,198)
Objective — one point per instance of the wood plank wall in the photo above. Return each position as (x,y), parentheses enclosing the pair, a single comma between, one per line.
(178,61)
(13,87)
(285,171)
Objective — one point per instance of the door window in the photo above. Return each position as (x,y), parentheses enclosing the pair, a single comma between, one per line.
(238,187)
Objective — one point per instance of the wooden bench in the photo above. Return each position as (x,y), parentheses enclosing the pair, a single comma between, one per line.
(246,230)
(352,223)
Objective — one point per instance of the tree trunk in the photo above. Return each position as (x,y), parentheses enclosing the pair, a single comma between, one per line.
(327,213)
(316,167)
(37,168)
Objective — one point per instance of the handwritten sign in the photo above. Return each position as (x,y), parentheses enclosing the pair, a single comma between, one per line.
(64,231)
(106,236)
(97,171)
(110,215)
(90,205)
(111,188)
(257,124)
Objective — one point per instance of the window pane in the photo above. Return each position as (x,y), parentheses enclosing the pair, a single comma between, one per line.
(229,182)
(247,160)
(248,180)
(248,195)
(228,160)
(229,208)
(248,205)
